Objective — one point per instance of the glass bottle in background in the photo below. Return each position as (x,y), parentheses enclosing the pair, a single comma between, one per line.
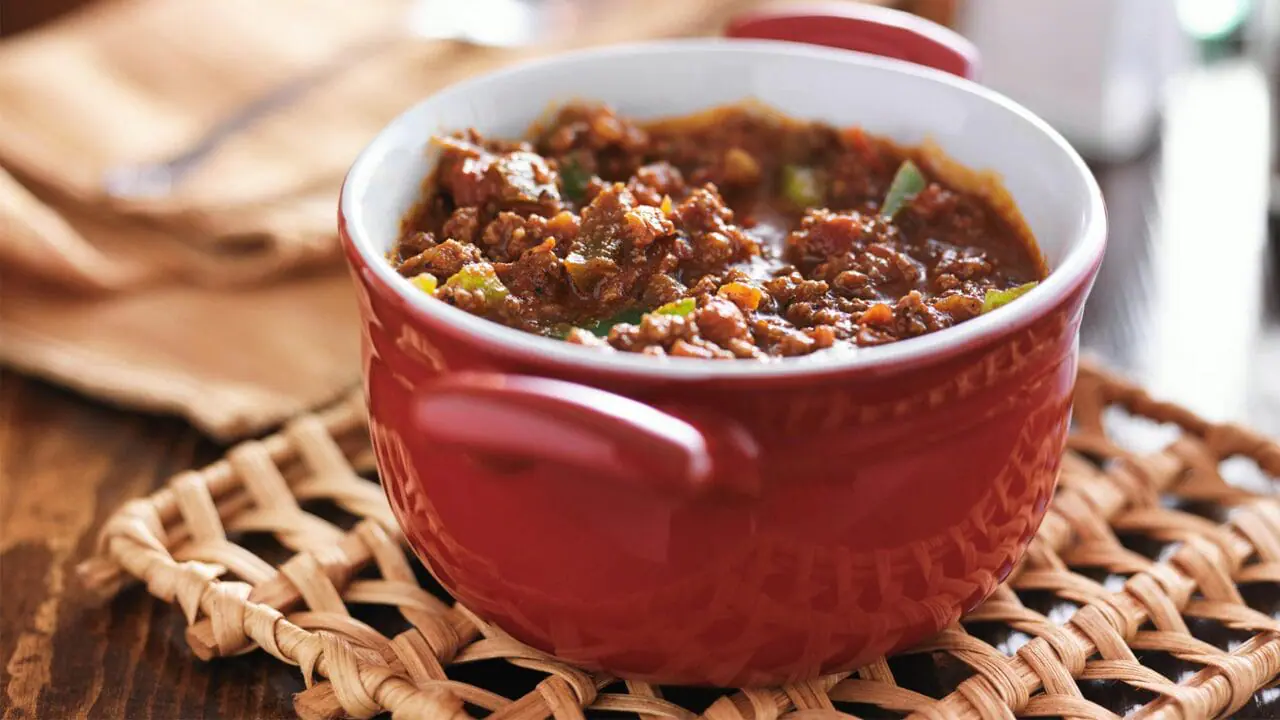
(1262,44)
(1095,69)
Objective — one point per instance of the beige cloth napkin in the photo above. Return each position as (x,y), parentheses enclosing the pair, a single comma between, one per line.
(96,303)
(224,302)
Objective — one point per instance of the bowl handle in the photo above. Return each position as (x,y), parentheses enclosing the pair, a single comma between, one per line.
(863,28)
(521,419)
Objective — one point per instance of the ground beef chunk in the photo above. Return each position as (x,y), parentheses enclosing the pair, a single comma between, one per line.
(654,329)
(672,334)
(960,307)
(609,256)
(860,171)
(463,225)
(823,234)
(853,284)
(524,181)
(705,219)
(413,244)
(518,180)
(779,338)
(912,316)
(600,141)
(962,219)
(537,275)
(894,272)
(721,322)
(962,264)
(443,260)
(594,127)
(662,289)
(578,336)
(510,235)
(653,182)
(615,224)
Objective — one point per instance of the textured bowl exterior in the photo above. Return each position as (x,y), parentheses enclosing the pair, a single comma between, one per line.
(893,502)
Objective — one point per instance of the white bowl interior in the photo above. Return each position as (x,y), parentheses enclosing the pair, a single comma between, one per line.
(976,127)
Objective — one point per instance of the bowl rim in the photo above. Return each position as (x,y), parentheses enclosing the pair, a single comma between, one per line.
(1077,269)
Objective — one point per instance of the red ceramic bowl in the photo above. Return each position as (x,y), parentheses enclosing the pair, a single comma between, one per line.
(733,523)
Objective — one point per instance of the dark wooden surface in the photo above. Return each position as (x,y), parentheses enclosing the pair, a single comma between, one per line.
(66,462)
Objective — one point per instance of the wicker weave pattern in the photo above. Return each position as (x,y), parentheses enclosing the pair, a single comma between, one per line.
(1210,539)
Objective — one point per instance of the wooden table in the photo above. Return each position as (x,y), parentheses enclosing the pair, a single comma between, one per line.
(66,462)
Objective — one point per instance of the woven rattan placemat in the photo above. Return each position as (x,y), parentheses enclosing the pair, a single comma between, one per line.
(1152,590)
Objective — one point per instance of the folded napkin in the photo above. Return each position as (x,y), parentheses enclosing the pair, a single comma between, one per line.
(224,301)
(94,303)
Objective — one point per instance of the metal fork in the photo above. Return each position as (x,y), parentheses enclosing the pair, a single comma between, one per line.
(483,23)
